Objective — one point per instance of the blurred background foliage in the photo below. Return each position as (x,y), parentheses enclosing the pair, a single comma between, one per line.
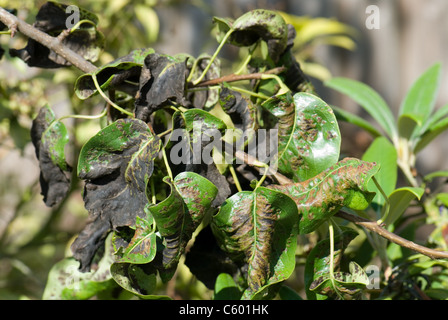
(33,237)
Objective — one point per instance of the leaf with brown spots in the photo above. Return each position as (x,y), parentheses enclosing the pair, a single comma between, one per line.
(308,135)
(260,229)
(178,216)
(319,198)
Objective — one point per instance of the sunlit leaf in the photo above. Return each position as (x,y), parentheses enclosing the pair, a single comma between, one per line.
(308,135)
(319,198)
(399,201)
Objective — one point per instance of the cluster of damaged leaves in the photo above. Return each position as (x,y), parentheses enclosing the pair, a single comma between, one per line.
(258,228)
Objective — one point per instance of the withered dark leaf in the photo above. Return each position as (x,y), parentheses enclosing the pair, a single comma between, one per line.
(87,41)
(162,80)
(53,180)
(116,165)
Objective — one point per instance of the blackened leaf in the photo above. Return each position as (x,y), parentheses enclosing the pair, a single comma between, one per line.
(259,227)
(113,74)
(308,134)
(116,164)
(66,282)
(163,80)
(49,138)
(255,25)
(319,198)
(178,216)
(86,40)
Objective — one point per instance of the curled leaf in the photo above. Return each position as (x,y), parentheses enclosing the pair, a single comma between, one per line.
(49,138)
(116,164)
(319,198)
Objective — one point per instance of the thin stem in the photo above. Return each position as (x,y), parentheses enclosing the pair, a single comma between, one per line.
(385,210)
(97,86)
(86,117)
(331,235)
(212,59)
(283,87)
(153,191)
(76,26)
(235,178)
(167,165)
(251,93)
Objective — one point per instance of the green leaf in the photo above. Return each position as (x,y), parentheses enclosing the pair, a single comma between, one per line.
(67,282)
(369,99)
(287,293)
(54,139)
(226,288)
(344,285)
(384,153)
(437,174)
(343,115)
(143,246)
(112,74)
(259,228)
(399,201)
(318,260)
(140,279)
(319,198)
(116,165)
(308,135)
(430,134)
(407,124)
(421,97)
(179,215)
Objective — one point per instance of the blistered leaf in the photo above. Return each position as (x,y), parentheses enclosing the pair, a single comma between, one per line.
(113,73)
(49,138)
(318,260)
(319,198)
(178,216)
(308,135)
(116,164)
(67,282)
(259,228)
(86,40)
(162,80)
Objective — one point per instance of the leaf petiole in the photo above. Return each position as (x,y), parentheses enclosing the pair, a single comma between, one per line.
(385,210)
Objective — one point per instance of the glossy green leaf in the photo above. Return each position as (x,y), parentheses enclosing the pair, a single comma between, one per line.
(67,282)
(308,135)
(369,99)
(399,201)
(435,174)
(54,139)
(318,260)
(421,97)
(384,153)
(319,198)
(113,73)
(226,288)
(178,216)
(116,165)
(259,228)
